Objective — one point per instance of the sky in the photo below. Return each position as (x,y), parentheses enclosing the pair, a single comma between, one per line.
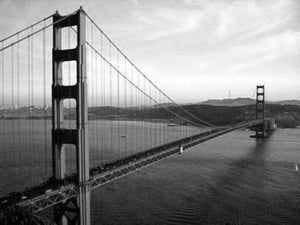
(194,50)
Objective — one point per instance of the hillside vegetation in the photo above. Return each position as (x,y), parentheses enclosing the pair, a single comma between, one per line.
(287,116)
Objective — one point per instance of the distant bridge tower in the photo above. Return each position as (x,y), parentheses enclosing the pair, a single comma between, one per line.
(79,136)
(260,111)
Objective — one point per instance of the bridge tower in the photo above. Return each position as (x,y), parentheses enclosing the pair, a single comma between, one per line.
(79,136)
(260,111)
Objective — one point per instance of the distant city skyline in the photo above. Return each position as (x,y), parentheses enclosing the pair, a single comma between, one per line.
(194,50)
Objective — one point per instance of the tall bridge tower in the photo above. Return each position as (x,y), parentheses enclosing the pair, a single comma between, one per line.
(260,111)
(79,136)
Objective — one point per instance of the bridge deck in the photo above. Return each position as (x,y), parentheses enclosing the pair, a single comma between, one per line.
(49,194)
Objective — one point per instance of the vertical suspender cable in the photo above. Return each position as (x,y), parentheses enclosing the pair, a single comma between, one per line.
(125,105)
(163,124)
(132,123)
(98,100)
(138,97)
(29,109)
(138,102)
(155,123)
(12,115)
(97,105)
(111,101)
(163,119)
(32,102)
(165,127)
(159,123)
(102,97)
(18,103)
(184,129)
(104,104)
(92,84)
(137,141)
(118,96)
(3,110)
(144,116)
(150,119)
(45,104)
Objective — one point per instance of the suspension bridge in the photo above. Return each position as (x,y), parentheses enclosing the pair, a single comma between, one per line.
(77,113)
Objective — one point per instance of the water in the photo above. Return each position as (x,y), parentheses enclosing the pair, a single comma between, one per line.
(25,147)
(231,179)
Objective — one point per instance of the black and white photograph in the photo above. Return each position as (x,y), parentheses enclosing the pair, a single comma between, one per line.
(149,112)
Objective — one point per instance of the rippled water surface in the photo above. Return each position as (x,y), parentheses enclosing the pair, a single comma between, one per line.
(231,179)
(26,146)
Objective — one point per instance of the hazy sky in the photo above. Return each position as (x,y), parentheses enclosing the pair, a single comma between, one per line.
(193,49)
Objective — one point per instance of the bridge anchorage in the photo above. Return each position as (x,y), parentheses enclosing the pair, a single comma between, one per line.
(69,195)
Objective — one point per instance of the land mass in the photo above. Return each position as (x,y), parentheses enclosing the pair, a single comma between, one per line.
(286,115)
(245,101)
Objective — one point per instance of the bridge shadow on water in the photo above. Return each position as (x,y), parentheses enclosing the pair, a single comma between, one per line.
(248,190)
(243,183)
(238,195)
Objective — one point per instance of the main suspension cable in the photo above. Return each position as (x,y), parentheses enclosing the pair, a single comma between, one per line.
(26,28)
(38,31)
(148,96)
(102,32)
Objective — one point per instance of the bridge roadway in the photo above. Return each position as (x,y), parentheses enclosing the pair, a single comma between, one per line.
(51,193)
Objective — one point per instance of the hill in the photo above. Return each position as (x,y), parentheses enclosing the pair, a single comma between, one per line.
(245,101)
(287,116)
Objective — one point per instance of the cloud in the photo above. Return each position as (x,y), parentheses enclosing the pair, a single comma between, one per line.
(200,41)
(249,18)
(267,50)
(165,22)
(134,2)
